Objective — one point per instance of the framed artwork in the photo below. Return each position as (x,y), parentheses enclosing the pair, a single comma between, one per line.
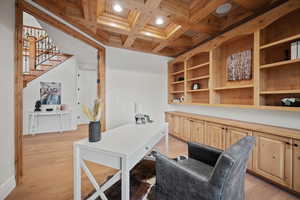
(239,66)
(50,93)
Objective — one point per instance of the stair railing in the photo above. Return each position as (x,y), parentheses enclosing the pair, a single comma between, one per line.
(29,31)
(45,49)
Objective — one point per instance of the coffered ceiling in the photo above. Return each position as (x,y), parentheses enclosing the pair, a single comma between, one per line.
(164,27)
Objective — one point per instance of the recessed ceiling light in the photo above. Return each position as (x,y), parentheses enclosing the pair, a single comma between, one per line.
(118,8)
(147,33)
(159,21)
(223,9)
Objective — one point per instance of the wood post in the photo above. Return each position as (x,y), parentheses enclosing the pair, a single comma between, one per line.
(31,51)
(19,92)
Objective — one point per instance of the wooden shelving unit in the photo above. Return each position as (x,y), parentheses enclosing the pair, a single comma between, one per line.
(274,75)
(176,82)
(197,72)
(279,75)
(232,92)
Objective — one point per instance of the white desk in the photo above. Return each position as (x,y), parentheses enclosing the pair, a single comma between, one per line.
(120,148)
(33,117)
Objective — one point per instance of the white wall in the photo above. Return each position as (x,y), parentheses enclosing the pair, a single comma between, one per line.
(133,77)
(66,73)
(29,20)
(88,91)
(7,125)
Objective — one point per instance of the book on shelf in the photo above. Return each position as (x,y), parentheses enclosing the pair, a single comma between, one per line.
(295,50)
(298,51)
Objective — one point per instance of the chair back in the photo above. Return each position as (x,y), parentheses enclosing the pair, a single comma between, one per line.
(230,170)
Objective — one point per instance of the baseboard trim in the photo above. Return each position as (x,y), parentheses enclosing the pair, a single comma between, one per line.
(7,187)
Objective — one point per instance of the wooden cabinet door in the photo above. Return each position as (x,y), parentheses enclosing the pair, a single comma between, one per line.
(215,135)
(273,158)
(169,119)
(197,131)
(296,165)
(185,129)
(233,135)
(176,126)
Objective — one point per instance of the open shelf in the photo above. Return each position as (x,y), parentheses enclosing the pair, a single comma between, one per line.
(198,66)
(234,87)
(176,92)
(198,78)
(198,60)
(282,63)
(241,96)
(285,40)
(178,72)
(281,92)
(199,90)
(283,30)
(177,82)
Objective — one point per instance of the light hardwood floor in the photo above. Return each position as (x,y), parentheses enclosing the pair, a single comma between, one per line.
(48,172)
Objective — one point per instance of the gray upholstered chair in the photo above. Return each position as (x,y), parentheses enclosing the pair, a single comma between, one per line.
(207,174)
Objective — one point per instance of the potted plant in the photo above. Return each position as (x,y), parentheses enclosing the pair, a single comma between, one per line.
(94,117)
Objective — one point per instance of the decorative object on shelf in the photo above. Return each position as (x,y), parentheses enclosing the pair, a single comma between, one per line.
(292,102)
(94,117)
(50,93)
(180,79)
(295,50)
(37,106)
(178,99)
(239,66)
(196,86)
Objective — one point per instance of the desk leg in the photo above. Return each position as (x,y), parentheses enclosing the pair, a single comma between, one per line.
(61,123)
(125,180)
(77,174)
(167,140)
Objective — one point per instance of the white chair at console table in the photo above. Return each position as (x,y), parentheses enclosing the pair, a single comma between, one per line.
(120,148)
(33,118)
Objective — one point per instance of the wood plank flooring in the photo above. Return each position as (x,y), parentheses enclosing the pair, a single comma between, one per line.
(48,170)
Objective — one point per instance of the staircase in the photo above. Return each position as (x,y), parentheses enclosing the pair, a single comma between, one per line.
(40,54)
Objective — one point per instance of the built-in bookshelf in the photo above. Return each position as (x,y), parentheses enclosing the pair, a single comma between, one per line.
(274,74)
(226,91)
(176,82)
(197,70)
(279,68)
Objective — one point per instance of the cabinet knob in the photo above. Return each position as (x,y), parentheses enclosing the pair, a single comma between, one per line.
(295,145)
(287,143)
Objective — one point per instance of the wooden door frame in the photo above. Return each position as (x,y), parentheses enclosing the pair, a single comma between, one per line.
(22,6)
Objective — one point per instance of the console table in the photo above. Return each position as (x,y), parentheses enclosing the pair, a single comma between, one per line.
(120,148)
(33,118)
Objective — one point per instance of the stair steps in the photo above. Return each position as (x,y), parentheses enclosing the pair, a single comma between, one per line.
(44,68)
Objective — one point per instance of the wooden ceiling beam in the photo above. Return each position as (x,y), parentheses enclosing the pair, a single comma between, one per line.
(203,28)
(209,8)
(140,21)
(74,21)
(253,5)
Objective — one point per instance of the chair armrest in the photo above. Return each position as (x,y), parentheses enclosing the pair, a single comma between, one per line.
(178,183)
(204,153)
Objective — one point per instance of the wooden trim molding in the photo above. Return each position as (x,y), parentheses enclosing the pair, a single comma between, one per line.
(18,92)
(22,6)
